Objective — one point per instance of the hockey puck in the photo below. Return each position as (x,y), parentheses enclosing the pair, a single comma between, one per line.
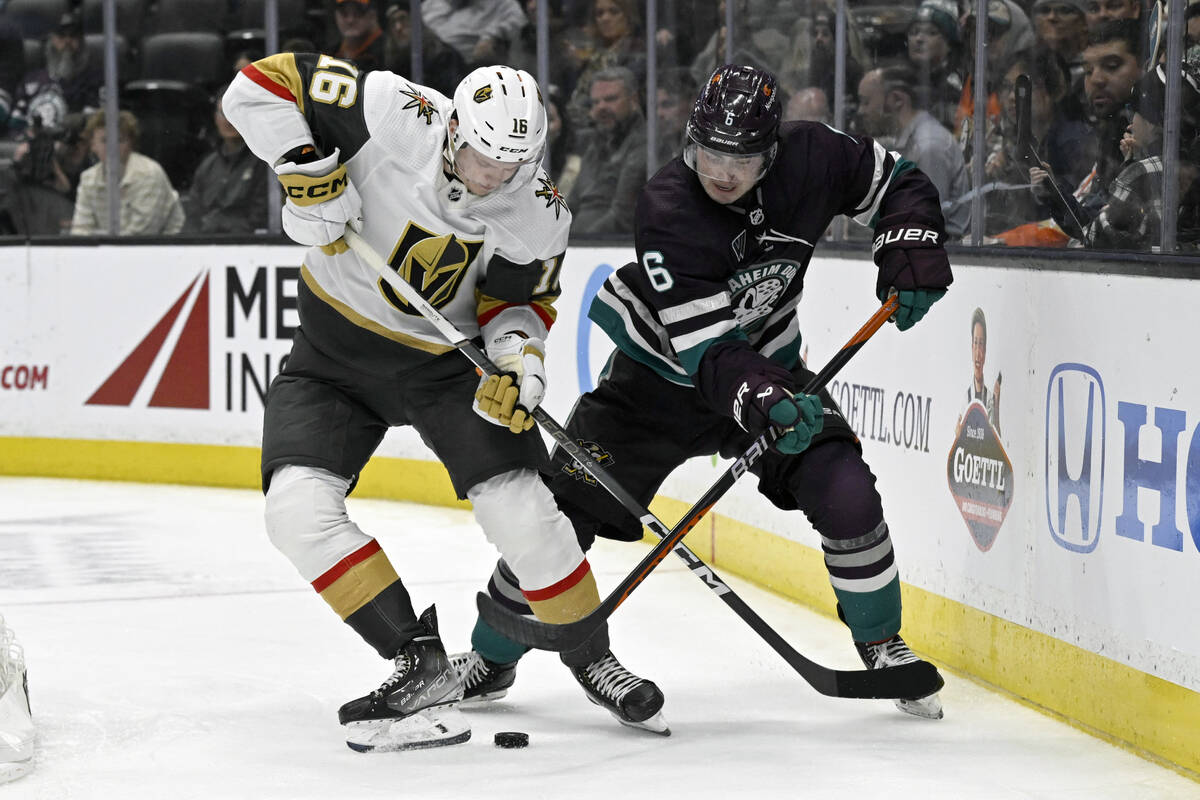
(510,740)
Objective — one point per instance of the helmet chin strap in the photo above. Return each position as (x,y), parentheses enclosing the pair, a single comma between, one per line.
(449,165)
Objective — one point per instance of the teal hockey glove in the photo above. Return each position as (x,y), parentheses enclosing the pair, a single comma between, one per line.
(914,304)
(800,417)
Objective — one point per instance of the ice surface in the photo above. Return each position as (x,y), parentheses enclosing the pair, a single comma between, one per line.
(173,653)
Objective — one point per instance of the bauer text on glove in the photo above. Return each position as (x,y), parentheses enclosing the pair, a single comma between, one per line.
(508,397)
(800,417)
(913,264)
(321,201)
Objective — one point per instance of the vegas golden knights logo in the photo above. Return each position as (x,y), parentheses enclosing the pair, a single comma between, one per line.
(576,470)
(483,93)
(433,265)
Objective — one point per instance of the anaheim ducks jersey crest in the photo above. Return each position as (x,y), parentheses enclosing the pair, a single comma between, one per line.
(469,256)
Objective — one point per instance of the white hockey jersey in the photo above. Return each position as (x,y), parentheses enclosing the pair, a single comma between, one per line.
(470,257)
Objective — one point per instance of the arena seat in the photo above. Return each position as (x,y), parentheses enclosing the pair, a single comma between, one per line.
(191,57)
(93,44)
(131,15)
(171,16)
(174,117)
(293,14)
(35,18)
(35,55)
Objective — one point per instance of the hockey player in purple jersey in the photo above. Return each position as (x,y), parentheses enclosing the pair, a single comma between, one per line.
(708,345)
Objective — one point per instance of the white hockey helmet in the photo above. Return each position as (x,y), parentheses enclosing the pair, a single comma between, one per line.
(501,115)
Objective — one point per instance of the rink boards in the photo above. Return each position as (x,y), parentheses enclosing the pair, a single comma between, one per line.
(1050,552)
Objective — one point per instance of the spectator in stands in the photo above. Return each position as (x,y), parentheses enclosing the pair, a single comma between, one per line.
(247,57)
(522,51)
(1009,32)
(37,194)
(1098,11)
(683,26)
(613,167)
(1060,137)
(809,103)
(766,25)
(149,204)
(480,30)
(812,62)
(888,106)
(564,163)
(227,194)
(1131,219)
(673,100)
(298,44)
(1112,65)
(757,47)
(933,42)
(442,67)
(68,83)
(361,37)
(1061,27)
(615,31)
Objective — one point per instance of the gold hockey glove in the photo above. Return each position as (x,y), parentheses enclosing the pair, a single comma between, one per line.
(508,398)
(321,202)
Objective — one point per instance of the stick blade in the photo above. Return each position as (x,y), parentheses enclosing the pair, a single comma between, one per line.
(904,681)
(531,632)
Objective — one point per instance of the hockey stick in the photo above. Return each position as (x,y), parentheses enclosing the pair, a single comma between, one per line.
(1026,149)
(908,680)
(890,682)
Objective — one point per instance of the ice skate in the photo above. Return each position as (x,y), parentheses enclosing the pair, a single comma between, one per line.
(482,680)
(16,722)
(891,652)
(413,708)
(633,701)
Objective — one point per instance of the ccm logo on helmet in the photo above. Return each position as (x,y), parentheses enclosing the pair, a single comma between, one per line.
(904,235)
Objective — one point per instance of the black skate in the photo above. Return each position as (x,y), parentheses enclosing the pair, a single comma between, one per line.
(482,680)
(635,702)
(894,651)
(413,708)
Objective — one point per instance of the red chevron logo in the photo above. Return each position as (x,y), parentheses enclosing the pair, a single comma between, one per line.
(184,380)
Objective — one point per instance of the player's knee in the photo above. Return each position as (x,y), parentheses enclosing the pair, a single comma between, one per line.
(519,517)
(303,505)
(836,489)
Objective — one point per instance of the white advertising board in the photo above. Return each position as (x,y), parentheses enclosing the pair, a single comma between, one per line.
(172,344)
(1075,511)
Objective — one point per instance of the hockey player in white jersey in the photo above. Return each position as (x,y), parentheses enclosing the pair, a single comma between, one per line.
(452,194)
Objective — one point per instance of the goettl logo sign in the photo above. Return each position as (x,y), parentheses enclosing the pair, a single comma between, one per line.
(978,469)
(980,476)
(184,380)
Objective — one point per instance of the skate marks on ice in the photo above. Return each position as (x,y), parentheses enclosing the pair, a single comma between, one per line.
(209,670)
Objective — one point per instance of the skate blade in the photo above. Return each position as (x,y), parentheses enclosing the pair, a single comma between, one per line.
(11,770)
(482,699)
(929,707)
(656,724)
(431,727)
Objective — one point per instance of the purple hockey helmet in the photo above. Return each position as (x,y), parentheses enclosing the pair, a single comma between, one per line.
(737,113)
